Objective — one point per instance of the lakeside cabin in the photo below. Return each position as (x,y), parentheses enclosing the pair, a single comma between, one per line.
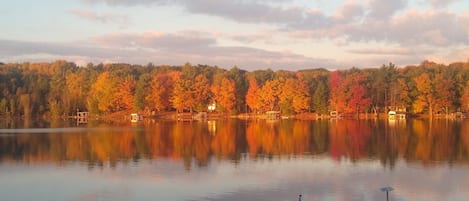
(135,117)
(392,115)
(272,114)
(82,117)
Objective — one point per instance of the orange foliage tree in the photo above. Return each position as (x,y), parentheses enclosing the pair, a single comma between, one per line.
(224,94)
(159,92)
(269,94)
(465,97)
(435,93)
(183,95)
(124,97)
(201,88)
(252,98)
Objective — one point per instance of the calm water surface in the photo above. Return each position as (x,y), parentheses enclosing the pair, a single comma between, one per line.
(235,160)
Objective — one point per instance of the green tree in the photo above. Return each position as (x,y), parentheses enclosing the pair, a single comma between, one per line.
(141,89)
(320,98)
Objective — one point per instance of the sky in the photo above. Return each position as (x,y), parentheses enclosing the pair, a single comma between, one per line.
(249,34)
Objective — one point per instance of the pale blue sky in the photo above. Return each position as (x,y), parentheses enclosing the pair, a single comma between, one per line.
(251,34)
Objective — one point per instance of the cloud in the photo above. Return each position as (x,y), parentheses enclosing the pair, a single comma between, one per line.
(157,40)
(394,22)
(391,51)
(439,28)
(103,18)
(128,2)
(383,9)
(411,28)
(349,12)
(160,48)
(440,3)
(245,11)
(265,36)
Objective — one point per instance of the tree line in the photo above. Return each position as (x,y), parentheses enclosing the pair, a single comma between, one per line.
(61,88)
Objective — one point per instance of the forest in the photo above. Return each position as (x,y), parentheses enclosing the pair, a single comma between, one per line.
(61,88)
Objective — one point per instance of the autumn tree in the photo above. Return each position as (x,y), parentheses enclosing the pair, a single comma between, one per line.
(241,88)
(444,88)
(124,98)
(25,103)
(465,97)
(159,93)
(425,98)
(201,88)
(252,97)
(337,98)
(183,95)
(294,96)
(75,85)
(403,97)
(101,97)
(269,95)
(224,94)
(357,98)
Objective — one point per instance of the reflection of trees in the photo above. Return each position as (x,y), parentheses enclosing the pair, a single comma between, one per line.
(194,143)
(349,138)
(436,140)
(284,138)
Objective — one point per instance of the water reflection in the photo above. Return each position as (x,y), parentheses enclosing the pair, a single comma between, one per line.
(238,160)
(199,142)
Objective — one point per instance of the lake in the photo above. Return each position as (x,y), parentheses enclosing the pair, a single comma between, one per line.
(235,160)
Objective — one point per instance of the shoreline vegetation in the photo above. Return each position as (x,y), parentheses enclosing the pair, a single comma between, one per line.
(113,91)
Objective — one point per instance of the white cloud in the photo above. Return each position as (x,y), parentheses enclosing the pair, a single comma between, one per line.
(384,9)
(440,3)
(392,51)
(162,48)
(105,18)
(375,20)
(128,2)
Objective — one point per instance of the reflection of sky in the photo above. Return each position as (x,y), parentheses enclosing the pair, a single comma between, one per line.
(261,179)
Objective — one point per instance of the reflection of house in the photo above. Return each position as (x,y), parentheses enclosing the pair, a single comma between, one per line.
(272,114)
(135,117)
